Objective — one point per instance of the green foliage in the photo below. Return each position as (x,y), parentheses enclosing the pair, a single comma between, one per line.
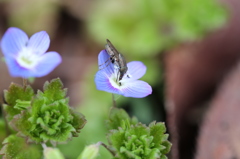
(15,147)
(116,117)
(95,106)
(135,140)
(148,26)
(48,118)
(15,95)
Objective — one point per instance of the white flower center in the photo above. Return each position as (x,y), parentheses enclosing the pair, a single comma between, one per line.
(27,58)
(114,79)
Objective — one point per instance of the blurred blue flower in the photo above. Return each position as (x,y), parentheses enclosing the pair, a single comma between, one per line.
(26,57)
(129,86)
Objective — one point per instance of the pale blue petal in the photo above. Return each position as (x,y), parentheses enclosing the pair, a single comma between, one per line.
(136,89)
(48,63)
(102,81)
(136,70)
(13,41)
(104,62)
(39,42)
(16,70)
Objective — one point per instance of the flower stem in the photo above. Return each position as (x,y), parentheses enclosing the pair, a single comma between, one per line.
(24,83)
(114,101)
(4,118)
(109,149)
(44,146)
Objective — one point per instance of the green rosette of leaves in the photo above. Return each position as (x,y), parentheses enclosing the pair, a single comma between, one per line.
(46,117)
(134,140)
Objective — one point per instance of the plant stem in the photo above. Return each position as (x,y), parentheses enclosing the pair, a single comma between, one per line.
(24,83)
(4,118)
(44,146)
(114,101)
(111,151)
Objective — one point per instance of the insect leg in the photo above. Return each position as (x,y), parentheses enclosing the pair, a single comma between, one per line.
(118,75)
(107,63)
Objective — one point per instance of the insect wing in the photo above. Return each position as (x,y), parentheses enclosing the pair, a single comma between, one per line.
(122,61)
(111,50)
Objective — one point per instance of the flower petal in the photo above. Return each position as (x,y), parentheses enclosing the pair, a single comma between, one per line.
(13,41)
(48,63)
(16,70)
(105,63)
(39,42)
(136,89)
(136,70)
(102,81)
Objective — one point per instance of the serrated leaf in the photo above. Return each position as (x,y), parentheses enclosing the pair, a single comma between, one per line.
(50,117)
(139,130)
(15,147)
(116,138)
(14,93)
(167,148)
(54,91)
(140,141)
(78,121)
(157,130)
(117,117)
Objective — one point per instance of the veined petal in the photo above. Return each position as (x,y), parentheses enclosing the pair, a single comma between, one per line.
(105,63)
(48,63)
(13,41)
(39,42)
(136,70)
(102,81)
(16,70)
(136,89)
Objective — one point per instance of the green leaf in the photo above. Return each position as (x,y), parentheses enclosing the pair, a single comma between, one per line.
(78,121)
(50,117)
(15,147)
(139,141)
(167,146)
(54,91)
(155,130)
(116,138)
(22,105)
(160,138)
(14,93)
(118,118)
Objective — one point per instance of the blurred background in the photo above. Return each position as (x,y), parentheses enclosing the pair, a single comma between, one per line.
(191,50)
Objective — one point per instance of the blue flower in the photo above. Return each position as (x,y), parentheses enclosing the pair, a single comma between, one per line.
(26,57)
(129,86)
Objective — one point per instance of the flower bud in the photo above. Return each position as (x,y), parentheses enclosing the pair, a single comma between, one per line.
(50,153)
(90,152)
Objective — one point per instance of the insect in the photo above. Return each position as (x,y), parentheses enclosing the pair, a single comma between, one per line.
(117,59)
